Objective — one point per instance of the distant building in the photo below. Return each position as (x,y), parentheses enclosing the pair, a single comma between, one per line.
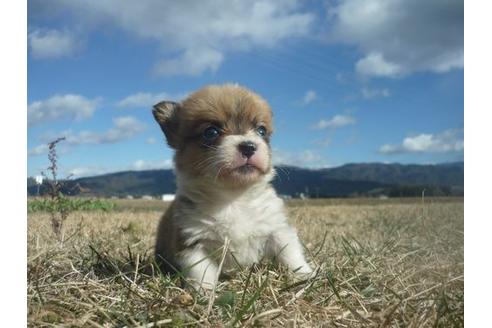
(129,197)
(168,197)
(147,197)
(39,182)
(39,179)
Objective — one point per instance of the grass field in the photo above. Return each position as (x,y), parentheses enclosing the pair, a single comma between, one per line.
(382,263)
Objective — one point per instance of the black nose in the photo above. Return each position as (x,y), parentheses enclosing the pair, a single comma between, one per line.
(247,148)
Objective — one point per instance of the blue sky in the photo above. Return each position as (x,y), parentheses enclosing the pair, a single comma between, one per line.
(348,81)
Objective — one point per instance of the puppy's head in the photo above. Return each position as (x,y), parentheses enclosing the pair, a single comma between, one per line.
(220,133)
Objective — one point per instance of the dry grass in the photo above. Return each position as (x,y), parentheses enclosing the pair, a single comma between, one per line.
(381,264)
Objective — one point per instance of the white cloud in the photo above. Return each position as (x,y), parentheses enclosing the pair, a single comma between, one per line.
(306,158)
(124,128)
(342,78)
(448,141)
(193,35)
(151,140)
(336,121)
(398,37)
(69,106)
(86,171)
(323,142)
(369,93)
(46,44)
(374,64)
(147,99)
(193,62)
(43,149)
(38,150)
(139,165)
(309,97)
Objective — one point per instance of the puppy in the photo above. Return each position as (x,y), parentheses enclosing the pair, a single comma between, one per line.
(221,137)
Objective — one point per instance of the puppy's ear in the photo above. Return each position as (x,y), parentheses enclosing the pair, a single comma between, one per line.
(165,114)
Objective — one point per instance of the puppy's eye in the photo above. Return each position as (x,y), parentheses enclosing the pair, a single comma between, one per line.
(261,130)
(210,133)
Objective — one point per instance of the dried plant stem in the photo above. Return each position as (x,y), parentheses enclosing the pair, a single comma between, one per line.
(221,264)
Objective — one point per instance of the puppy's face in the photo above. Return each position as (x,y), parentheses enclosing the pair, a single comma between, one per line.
(220,133)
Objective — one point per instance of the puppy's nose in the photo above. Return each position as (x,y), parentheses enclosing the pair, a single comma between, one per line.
(247,148)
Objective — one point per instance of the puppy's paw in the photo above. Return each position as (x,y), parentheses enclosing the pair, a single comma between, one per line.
(203,287)
(305,272)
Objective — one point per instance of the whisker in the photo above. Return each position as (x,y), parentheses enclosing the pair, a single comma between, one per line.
(226,164)
(210,146)
(218,173)
(209,163)
(203,162)
(283,170)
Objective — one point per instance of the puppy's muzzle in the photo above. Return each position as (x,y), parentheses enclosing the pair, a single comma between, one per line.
(247,148)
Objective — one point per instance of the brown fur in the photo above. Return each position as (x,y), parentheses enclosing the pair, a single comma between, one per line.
(170,241)
(234,109)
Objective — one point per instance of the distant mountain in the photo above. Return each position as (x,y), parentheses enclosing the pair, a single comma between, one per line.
(293,181)
(137,183)
(348,180)
(448,174)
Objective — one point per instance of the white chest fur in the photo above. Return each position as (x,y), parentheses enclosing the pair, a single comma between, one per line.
(248,225)
(247,222)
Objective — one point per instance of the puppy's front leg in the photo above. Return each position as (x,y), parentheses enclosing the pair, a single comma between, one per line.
(199,267)
(286,247)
